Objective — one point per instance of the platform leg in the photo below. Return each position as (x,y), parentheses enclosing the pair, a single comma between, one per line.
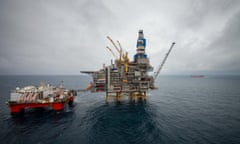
(144,96)
(118,97)
(106,99)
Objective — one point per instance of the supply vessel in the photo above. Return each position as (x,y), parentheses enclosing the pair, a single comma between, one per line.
(39,97)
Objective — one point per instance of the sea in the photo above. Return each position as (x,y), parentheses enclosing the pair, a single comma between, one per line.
(182,110)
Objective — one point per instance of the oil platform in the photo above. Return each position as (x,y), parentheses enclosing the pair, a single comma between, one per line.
(122,78)
(125,77)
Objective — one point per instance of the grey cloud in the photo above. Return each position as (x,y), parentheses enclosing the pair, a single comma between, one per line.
(207,39)
(63,37)
(225,50)
(49,35)
(197,13)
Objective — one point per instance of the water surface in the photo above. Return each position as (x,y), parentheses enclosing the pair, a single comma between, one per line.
(182,110)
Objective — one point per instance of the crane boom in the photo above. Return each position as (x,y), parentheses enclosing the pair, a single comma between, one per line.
(121,50)
(113,44)
(164,60)
(112,52)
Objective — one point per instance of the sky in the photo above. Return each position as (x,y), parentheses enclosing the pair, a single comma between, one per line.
(63,37)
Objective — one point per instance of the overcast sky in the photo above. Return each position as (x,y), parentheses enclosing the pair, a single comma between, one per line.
(64,37)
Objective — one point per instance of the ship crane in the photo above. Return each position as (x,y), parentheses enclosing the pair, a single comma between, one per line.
(164,60)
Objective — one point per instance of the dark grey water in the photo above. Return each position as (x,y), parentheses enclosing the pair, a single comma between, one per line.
(183,110)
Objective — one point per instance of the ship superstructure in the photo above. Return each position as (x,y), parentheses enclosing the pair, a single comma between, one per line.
(40,96)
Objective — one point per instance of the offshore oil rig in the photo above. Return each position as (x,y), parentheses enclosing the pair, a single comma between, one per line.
(122,77)
(125,77)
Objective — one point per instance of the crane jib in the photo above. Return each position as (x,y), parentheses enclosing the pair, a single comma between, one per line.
(164,60)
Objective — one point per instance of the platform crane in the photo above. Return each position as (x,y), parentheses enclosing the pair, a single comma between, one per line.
(119,50)
(112,52)
(164,60)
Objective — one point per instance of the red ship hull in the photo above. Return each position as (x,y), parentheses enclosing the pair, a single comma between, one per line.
(56,106)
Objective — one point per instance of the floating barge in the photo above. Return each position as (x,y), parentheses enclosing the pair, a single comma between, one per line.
(39,97)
